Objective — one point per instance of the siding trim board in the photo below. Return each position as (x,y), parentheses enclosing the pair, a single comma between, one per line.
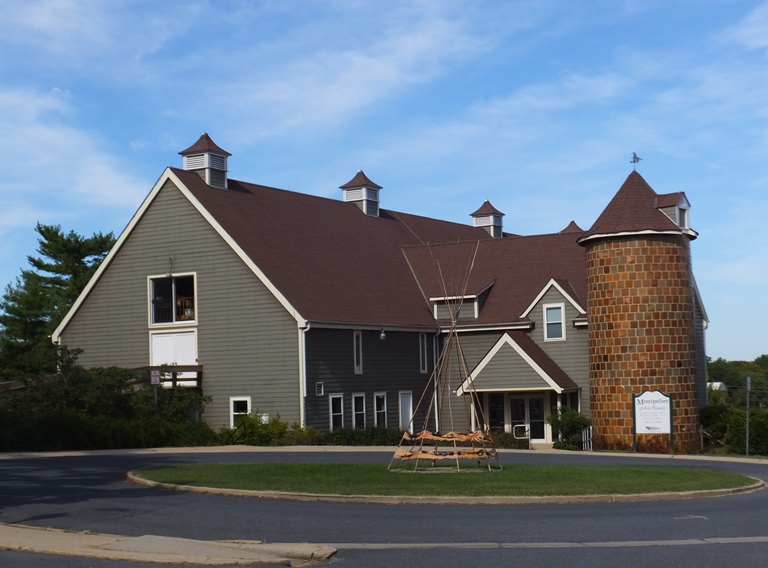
(169,176)
(506,340)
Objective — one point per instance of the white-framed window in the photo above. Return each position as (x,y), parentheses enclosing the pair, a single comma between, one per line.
(380,409)
(172,299)
(554,322)
(336,411)
(357,346)
(405,399)
(423,357)
(319,389)
(358,410)
(239,406)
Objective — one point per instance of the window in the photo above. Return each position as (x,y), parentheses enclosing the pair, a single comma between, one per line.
(554,322)
(406,411)
(336,411)
(319,389)
(238,407)
(380,409)
(358,351)
(358,410)
(423,359)
(172,299)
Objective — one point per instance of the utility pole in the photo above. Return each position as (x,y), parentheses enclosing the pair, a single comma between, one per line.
(749,388)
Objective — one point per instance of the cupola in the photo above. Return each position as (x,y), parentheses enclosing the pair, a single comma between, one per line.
(208,160)
(489,218)
(362,192)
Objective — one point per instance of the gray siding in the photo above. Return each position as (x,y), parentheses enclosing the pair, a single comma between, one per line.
(701,353)
(390,366)
(507,370)
(247,342)
(474,346)
(571,355)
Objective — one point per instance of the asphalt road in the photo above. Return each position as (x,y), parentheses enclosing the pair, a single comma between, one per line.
(88,492)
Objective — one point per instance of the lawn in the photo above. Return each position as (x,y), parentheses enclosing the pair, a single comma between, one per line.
(513,480)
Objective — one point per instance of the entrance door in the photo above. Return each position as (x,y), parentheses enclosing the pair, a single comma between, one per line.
(529,410)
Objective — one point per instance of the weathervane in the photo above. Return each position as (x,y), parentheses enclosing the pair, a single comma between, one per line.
(634,160)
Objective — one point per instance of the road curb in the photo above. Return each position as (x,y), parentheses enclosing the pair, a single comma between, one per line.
(134,477)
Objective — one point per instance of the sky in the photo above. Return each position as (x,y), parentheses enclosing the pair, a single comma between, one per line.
(535,106)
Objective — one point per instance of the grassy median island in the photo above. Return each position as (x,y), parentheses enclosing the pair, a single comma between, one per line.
(513,480)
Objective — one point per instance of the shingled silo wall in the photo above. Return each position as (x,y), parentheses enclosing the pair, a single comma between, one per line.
(641,337)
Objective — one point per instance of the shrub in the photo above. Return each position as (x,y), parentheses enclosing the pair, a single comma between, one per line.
(568,425)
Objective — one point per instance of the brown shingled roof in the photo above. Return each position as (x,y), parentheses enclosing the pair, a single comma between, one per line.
(204,144)
(486,209)
(632,209)
(332,263)
(360,180)
(519,267)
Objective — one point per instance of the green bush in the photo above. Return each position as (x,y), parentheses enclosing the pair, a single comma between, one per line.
(100,408)
(567,425)
(725,429)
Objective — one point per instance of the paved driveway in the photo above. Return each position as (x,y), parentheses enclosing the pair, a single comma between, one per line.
(88,492)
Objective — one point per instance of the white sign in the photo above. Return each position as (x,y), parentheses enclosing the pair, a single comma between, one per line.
(155,377)
(653,413)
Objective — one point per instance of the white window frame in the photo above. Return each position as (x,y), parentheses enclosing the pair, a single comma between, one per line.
(232,413)
(423,354)
(319,388)
(331,398)
(561,306)
(356,397)
(376,397)
(150,308)
(357,351)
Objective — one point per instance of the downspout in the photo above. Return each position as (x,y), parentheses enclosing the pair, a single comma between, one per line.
(302,398)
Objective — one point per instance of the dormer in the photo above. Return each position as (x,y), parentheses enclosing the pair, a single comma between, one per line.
(460,308)
(676,207)
(362,192)
(489,218)
(208,160)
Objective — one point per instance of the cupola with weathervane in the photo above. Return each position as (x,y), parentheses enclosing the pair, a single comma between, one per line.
(208,160)
(362,192)
(489,218)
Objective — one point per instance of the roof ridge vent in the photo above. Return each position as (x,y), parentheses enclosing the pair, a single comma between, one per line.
(208,160)
(363,192)
(489,218)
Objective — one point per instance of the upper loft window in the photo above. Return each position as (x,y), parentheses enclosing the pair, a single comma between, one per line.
(172,299)
(682,216)
(554,322)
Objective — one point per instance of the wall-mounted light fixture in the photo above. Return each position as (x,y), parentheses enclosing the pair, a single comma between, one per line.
(382,334)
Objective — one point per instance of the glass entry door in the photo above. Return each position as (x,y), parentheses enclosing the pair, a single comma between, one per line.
(529,410)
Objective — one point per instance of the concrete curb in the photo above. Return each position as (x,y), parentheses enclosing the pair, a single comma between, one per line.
(159,549)
(133,477)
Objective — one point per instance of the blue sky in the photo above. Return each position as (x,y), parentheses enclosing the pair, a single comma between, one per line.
(536,106)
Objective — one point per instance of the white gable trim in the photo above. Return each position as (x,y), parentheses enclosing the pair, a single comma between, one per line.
(168,175)
(689,232)
(559,288)
(507,340)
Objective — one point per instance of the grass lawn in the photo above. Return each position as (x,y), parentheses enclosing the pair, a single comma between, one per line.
(513,480)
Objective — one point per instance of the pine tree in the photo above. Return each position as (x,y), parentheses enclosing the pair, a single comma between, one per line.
(34,305)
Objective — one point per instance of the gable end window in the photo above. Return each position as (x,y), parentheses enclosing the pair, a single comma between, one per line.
(172,299)
(554,322)
(357,340)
